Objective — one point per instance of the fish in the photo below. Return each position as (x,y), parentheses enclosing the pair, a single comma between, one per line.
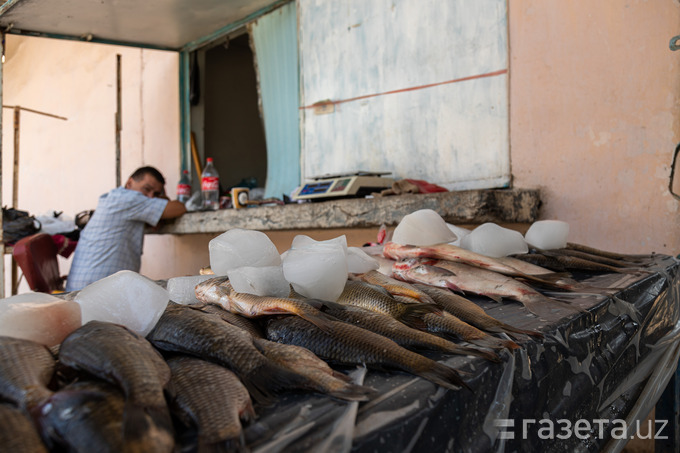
(123,358)
(186,330)
(26,371)
(604,253)
(588,257)
(470,312)
(376,299)
(88,415)
(450,252)
(250,326)
(18,433)
(395,287)
(399,332)
(463,278)
(561,263)
(451,326)
(213,399)
(321,376)
(219,291)
(352,345)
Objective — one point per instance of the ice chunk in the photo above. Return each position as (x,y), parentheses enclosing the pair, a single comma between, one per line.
(423,227)
(261,281)
(39,317)
(460,233)
(301,241)
(125,298)
(359,261)
(548,234)
(238,248)
(317,271)
(181,289)
(495,241)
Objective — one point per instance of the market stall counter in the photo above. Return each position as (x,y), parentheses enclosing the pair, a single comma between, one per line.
(588,385)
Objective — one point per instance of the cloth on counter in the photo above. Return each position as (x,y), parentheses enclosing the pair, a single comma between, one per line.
(65,246)
(114,237)
(411,186)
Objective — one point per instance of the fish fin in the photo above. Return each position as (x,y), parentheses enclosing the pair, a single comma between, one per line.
(341,376)
(266,380)
(508,329)
(544,307)
(444,376)
(483,353)
(137,420)
(493,297)
(413,314)
(353,392)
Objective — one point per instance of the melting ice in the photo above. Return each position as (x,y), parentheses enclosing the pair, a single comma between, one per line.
(238,248)
(495,241)
(423,227)
(548,234)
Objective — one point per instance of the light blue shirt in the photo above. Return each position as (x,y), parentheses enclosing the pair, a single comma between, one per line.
(113,238)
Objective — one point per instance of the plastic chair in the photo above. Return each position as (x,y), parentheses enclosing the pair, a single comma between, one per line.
(36,255)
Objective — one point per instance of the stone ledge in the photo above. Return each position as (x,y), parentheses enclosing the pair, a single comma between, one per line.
(462,207)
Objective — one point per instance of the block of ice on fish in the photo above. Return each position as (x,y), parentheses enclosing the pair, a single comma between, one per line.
(359,262)
(423,227)
(495,241)
(261,281)
(317,271)
(301,241)
(460,233)
(126,298)
(40,317)
(238,248)
(182,289)
(548,234)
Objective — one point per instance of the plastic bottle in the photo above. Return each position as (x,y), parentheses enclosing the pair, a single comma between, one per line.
(184,187)
(210,186)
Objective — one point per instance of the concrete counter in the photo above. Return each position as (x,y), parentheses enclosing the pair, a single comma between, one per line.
(463,207)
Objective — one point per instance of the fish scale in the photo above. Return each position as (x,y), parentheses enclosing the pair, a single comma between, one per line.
(26,368)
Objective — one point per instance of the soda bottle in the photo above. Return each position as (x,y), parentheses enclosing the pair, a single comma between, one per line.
(210,186)
(184,187)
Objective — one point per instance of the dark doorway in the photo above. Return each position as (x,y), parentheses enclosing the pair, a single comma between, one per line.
(233,128)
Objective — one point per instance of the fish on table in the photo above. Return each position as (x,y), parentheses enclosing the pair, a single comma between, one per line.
(469,279)
(26,370)
(88,415)
(121,357)
(211,398)
(352,345)
(18,433)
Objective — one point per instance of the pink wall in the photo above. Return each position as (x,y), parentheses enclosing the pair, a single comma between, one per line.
(594,117)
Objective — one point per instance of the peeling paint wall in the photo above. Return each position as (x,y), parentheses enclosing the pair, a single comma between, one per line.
(406,81)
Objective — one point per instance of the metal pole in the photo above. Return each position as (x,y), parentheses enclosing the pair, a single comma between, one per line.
(119,124)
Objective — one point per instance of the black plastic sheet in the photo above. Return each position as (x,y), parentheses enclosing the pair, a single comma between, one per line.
(593,373)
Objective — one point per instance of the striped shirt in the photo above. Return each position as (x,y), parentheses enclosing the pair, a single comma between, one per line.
(114,237)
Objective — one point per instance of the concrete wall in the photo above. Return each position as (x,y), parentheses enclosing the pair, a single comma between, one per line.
(593,123)
(594,117)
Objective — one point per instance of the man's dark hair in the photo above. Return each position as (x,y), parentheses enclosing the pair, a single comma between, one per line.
(141,171)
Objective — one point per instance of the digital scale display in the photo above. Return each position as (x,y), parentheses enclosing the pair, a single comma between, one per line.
(346,185)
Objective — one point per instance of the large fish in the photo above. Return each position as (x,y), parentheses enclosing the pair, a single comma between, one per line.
(561,263)
(322,377)
(374,298)
(26,369)
(213,399)
(399,332)
(219,291)
(119,356)
(17,432)
(191,331)
(604,253)
(461,277)
(88,416)
(249,325)
(452,253)
(352,345)
(470,312)
(394,287)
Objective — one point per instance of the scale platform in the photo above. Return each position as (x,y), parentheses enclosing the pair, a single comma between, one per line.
(347,185)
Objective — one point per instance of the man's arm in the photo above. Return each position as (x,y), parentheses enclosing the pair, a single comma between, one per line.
(173,209)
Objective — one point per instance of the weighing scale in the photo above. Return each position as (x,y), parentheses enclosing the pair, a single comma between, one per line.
(345,185)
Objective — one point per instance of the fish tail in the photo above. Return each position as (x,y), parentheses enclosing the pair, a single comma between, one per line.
(353,392)
(544,307)
(507,328)
(488,355)
(413,314)
(443,375)
(492,342)
(268,379)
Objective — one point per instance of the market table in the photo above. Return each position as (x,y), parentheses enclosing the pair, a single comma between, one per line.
(594,372)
